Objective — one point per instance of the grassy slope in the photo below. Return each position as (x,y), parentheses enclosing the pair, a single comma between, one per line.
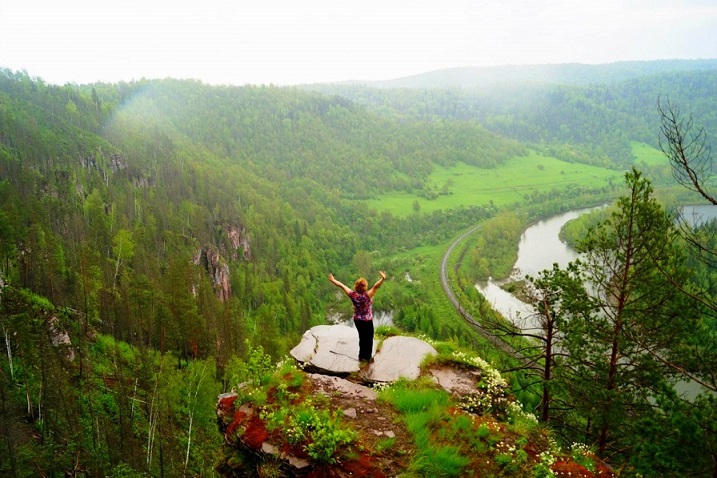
(504,185)
(648,155)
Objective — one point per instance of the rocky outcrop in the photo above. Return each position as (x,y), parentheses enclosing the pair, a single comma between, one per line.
(242,427)
(245,431)
(329,349)
(238,240)
(266,435)
(233,242)
(333,350)
(59,337)
(217,268)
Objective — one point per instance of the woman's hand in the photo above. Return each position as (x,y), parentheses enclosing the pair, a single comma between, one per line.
(378,283)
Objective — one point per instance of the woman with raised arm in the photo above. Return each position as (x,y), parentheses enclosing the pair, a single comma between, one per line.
(362,300)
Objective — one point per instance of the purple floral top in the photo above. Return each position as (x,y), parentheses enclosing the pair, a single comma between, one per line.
(362,306)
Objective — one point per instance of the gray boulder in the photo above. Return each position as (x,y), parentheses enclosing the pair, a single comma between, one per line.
(329,349)
(333,350)
(398,357)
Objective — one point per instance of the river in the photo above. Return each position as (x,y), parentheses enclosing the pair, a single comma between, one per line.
(540,247)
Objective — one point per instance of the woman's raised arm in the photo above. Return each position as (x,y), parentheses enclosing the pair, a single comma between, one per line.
(339,284)
(378,283)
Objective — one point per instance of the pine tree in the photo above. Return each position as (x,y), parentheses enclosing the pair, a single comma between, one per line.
(613,368)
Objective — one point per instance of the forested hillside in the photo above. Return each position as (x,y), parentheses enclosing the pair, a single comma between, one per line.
(169,229)
(584,113)
(193,222)
(113,189)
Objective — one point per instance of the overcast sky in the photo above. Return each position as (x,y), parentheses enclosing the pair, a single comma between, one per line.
(302,41)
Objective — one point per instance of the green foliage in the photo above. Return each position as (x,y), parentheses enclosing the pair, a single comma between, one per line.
(614,310)
(116,197)
(591,119)
(320,432)
(494,249)
(583,456)
(576,229)
(256,369)
(385,444)
(434,419)
(125,471)
(303,421)
(326,437)
(108,403)
(443,461)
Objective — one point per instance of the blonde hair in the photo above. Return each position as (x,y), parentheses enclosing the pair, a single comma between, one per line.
(360,285)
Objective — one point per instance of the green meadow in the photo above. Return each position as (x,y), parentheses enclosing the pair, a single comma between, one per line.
(507,184)
(645,154)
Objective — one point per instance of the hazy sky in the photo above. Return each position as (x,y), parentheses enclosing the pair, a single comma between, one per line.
(300,41)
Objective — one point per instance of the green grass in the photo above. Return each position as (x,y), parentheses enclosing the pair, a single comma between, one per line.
(507,184)
(441,461)
(424,411)
(413,401)
(648,155)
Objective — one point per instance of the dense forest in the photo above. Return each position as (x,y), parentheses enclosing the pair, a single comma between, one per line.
(158,232)
(576,112)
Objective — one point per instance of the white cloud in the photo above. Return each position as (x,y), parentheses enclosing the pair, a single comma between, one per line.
(292,41)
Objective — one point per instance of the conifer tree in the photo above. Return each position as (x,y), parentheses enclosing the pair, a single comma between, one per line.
(612,370)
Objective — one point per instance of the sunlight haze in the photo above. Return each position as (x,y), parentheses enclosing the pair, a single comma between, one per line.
(287,42)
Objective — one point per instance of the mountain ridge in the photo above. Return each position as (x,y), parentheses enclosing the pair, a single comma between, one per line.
(470,77)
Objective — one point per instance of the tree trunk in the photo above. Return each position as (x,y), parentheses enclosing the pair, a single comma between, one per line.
(547,371)
(604,432)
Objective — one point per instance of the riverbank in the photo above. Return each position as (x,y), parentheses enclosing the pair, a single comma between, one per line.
(539,248)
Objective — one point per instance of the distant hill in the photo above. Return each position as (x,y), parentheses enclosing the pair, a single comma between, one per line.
(600,108)
(565,74)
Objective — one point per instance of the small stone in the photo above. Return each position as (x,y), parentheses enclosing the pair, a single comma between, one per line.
(390,434)
(297,463)
(350,412)
(378,433)
(269,449)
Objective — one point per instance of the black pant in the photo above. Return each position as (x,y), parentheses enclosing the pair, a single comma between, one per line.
(365,332)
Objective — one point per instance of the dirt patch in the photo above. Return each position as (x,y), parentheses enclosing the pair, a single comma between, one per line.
(382,436)
(456,381)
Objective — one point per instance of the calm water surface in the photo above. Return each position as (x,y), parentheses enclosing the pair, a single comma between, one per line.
(539,248)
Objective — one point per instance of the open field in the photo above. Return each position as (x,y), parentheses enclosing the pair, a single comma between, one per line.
(648,155)
(507,184)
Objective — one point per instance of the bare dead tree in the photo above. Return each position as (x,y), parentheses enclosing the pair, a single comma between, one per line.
(687,149)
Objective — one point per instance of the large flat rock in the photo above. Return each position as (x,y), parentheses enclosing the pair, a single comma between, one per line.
(329,349)
(398,357)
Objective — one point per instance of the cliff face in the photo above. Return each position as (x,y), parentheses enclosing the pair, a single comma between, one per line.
(217,268)
(234,243)
(239,241)
(455,418)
